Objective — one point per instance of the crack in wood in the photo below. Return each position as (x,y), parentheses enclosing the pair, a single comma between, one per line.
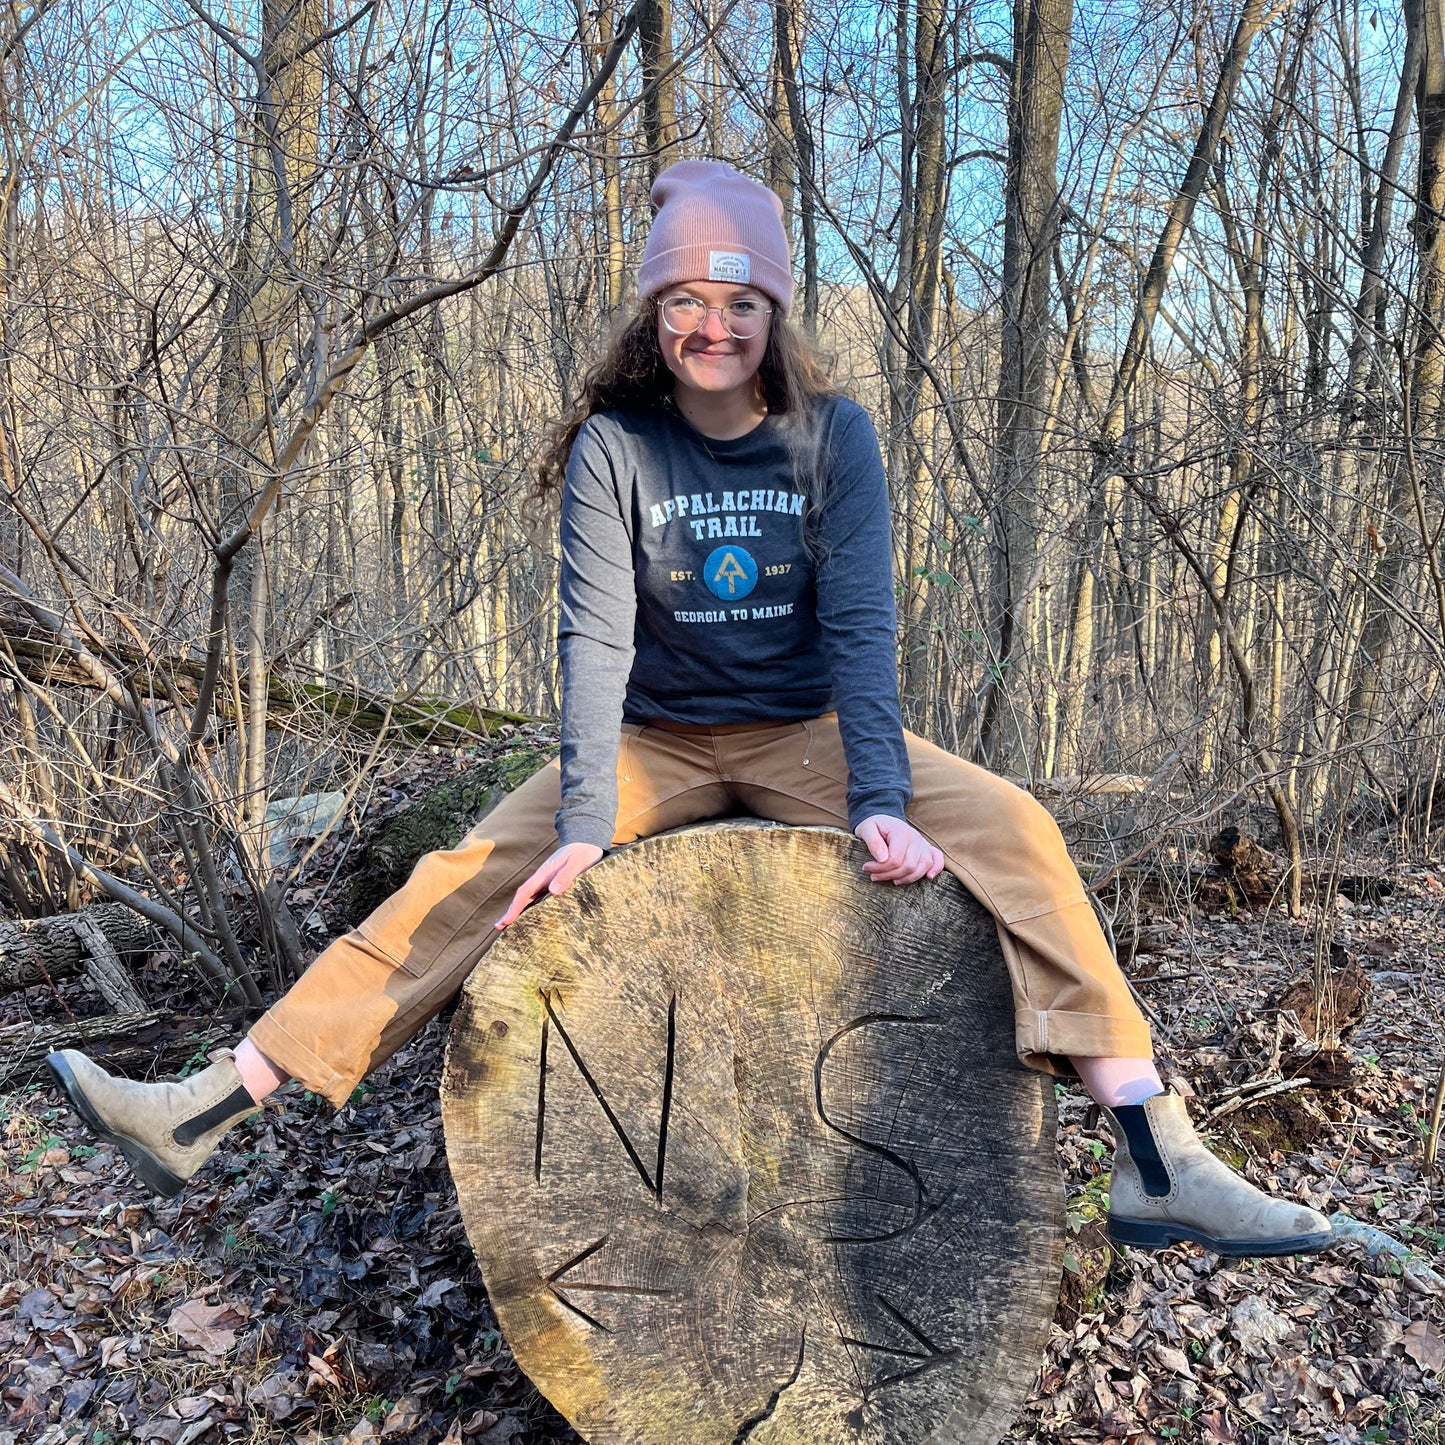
(541,1100)
(921,1206)
(579,1311)
(666,1091)
(751,1424)
(619,1288)
(653,1179)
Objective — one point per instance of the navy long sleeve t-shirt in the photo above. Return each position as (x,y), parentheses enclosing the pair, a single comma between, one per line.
(689,593)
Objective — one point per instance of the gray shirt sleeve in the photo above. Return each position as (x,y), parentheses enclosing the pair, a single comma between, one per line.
(598,605)
(856,612)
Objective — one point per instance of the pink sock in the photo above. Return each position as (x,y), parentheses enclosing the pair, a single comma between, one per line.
(260,1076)
(1115,1082)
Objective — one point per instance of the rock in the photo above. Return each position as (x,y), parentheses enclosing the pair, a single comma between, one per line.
(289,820)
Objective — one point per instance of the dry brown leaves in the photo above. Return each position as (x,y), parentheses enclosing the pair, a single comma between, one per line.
(1320,1350)
(314,1285)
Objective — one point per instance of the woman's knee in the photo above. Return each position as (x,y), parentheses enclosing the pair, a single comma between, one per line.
(1032,818)
(939,775)
(973,814)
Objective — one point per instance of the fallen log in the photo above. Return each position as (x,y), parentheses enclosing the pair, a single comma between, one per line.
(745,1153)
(38,950)
(104,967)
(23,1047)
(415,717)
(437,819)
(1082,785)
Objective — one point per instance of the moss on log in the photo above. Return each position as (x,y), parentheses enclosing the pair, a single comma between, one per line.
(410,717)
(439,819)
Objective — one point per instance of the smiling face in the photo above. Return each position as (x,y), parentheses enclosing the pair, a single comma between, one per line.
(711,360)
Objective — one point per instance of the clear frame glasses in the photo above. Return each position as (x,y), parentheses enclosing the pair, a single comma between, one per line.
(743,319)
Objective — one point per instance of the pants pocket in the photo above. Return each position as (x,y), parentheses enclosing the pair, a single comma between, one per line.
(824,751)
(626,752)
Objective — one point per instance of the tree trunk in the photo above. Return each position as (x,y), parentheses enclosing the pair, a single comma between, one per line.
(745,1153)
(920,268)
(1367,335)
(260,335)
(782,171)
(416,717)
(1079,653)
(1428,386)
(793,121)
(659,92)
(1181,212)
(611,161)
(14,156)
(1369,702)
(1031,203)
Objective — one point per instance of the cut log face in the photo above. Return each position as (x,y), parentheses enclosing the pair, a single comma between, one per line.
(745,1152)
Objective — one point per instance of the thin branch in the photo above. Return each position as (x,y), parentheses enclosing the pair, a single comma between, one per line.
(18,39)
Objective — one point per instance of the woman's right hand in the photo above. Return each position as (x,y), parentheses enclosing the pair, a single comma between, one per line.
(556,875)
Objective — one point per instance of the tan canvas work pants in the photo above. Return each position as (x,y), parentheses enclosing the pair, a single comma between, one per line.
(374,988)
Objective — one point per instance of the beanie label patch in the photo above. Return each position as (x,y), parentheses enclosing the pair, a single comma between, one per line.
(729,266)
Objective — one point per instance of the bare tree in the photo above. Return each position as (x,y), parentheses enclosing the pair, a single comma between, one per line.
(1031,218)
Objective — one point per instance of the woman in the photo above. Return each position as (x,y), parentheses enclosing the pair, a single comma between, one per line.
(725,583)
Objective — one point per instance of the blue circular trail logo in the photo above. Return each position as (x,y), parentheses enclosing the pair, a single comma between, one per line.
(730,573)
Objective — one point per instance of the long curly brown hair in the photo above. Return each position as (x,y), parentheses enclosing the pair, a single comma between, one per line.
(631,372)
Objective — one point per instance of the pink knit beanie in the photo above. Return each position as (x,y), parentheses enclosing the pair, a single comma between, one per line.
(714,224)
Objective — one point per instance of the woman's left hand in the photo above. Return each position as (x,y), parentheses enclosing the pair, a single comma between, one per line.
(901,854)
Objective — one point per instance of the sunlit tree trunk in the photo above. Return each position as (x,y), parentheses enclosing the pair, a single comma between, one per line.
(1368,705)
(925,86)
(1079,654)
(659,94)
(260,336)
(1031,198)
(13,155)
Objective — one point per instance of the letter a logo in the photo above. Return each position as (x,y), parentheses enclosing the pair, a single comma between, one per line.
(730,573)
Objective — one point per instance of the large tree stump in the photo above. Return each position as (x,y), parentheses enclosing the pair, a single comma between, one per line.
(745,1153)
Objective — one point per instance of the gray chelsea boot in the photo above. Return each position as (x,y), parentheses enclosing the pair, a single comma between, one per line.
(166,1130)
(1167,1188)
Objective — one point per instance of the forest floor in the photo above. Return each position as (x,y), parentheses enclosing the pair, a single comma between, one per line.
(314,1284)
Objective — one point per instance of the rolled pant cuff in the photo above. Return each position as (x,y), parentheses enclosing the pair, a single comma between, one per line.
(1046,1041)
(306,1067)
